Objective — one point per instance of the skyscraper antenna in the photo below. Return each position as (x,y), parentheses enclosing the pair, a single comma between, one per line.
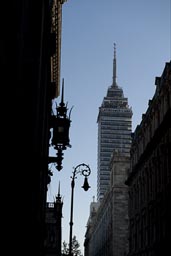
(114,66)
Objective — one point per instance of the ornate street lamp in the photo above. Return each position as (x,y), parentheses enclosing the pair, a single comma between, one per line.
(84,170)
(60,136)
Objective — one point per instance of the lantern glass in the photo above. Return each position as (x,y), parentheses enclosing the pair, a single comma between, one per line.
(61,132)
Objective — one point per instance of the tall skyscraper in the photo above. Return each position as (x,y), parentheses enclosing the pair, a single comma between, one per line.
(114,131)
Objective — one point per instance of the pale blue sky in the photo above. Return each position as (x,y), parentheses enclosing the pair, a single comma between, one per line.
(142,33)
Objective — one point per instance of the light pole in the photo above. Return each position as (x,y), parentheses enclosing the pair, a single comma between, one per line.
(82,169)
(60,136)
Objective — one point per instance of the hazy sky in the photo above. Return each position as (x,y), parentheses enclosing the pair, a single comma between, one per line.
(141,30)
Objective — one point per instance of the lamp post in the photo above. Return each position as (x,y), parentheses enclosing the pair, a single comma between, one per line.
(60,137)
(84,170)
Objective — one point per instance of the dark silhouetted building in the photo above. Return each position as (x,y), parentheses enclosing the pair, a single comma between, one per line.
(30,51)
(53,234)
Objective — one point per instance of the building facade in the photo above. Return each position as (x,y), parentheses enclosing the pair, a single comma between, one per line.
(28,90)
(89,228)
(149,180)
(107,227)
(114,131)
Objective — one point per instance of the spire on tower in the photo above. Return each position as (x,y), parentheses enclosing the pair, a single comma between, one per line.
(114,66)
(58,197)
(59,189)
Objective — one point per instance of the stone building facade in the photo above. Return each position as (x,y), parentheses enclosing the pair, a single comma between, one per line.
(93,210)
(149,180)
(107,232)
